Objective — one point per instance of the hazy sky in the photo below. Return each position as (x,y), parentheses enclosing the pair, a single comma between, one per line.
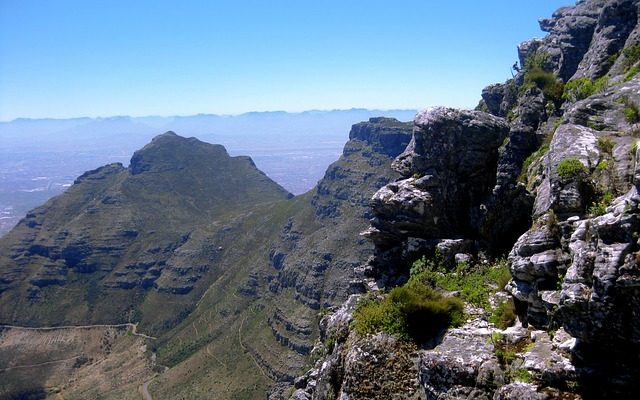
(69,58)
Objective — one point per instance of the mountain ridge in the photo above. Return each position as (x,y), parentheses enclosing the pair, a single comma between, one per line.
(245,264)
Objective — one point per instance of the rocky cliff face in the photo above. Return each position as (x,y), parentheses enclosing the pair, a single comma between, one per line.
(545,170)
(441,186)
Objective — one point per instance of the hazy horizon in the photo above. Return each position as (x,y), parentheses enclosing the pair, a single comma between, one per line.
(216,115)
(73,58)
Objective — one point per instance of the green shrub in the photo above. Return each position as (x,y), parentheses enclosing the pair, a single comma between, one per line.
(505,356)
(571,168)
(412,311)
(522,375)
(582,88)
(535,74)
(600,207)
(605,145)
(498,273)
(632,72)
(536,155)
(504,315)
(631,112)
(474,282)
(545,81)
(631,55)
(602,165)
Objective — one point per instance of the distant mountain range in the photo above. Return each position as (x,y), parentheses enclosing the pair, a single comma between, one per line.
(40,158)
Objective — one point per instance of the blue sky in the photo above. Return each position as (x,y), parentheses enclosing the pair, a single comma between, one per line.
(71,58)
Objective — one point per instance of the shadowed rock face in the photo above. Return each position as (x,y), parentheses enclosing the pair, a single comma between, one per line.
(448,168)
(320,265)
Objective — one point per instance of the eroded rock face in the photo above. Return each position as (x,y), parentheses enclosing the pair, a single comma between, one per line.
(447,168)
(468,363)
(559,185)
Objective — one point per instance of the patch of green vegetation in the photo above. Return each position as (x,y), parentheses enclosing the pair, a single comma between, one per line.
(570,169)
(412,311)
(536,155)
(504,314)
(584,87)
(505,352)
(545,81)
(631,56)
(605,145)
(613,57)
(631,73)
(602,165)
(330,343)
(475,283)
(536,75)
(631,111)
(522,375)
(600,207)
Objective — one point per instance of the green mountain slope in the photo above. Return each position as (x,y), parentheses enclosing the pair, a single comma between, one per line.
(206,252)
(120,238)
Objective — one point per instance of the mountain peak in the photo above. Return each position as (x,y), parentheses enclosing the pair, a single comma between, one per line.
(170,151)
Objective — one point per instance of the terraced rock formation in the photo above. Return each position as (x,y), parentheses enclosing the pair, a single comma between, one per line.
(207,253)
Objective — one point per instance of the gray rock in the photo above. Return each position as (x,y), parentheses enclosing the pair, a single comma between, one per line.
(441,183)
(518,391)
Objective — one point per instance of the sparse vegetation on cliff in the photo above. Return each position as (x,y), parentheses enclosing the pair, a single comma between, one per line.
(570,169)
(536,75)
(475,282)
(412,311)
(582,88)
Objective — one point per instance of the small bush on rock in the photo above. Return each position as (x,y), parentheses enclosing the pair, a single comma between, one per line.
(631,112)
(605,145)
(600,207)
(504,315)
(475,283)
(631,73)
(536,75)
(411,312)
(631,56)
(570,169)
(582,88)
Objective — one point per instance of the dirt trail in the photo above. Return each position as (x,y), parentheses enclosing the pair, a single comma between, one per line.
(39,364)
(134,328)
(145,390)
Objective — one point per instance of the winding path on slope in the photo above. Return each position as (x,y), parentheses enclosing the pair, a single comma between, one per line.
(134,328)
(145,390)
(134,331)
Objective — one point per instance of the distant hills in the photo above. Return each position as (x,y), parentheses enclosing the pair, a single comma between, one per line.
(40,158)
